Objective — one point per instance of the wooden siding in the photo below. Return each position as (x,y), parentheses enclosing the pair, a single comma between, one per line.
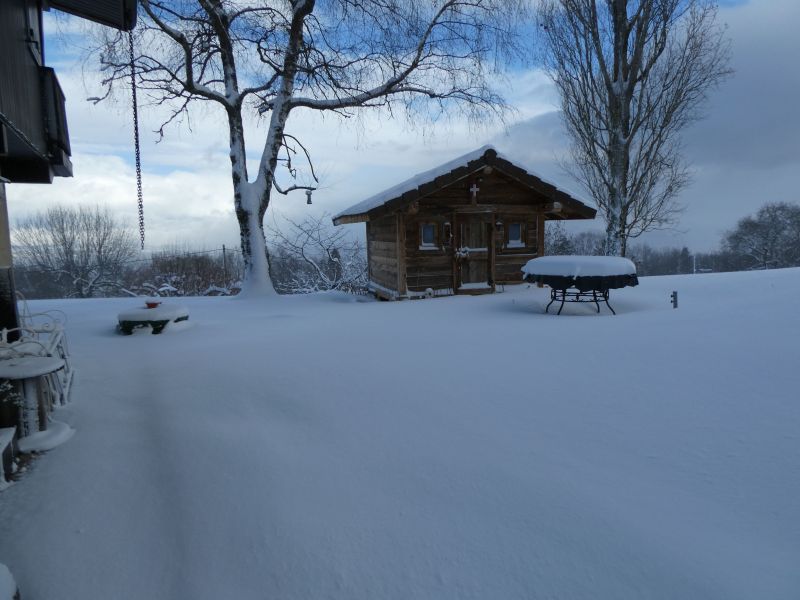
(428,267)
(382,252)
(418,267)
(495,190)
(20,87)
(510,259)
(500,199)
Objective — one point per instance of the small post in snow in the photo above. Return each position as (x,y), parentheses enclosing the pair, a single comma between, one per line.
(674,299)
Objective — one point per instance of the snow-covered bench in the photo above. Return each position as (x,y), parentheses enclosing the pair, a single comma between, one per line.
(157,317)
(581,278)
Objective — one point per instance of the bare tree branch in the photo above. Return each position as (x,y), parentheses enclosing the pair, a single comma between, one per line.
(632,74)
(323,55)
(83,249)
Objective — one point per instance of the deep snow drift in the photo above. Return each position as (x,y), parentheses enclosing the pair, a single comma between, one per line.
(469,447)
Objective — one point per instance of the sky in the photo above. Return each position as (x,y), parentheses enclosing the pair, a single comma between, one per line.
(744,153)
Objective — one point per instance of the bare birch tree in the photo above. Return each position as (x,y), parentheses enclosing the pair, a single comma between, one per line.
(631,75)
(275,57)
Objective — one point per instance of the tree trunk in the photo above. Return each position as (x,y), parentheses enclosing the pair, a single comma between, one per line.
(256,280)
(250,201)
(615,225)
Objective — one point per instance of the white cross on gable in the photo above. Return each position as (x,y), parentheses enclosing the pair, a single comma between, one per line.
(474,191)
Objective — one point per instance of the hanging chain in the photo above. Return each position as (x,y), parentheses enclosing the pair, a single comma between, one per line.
(136,140)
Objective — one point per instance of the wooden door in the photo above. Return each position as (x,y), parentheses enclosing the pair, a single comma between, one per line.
(473,252)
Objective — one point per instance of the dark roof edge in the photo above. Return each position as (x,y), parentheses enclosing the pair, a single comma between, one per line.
(119,14)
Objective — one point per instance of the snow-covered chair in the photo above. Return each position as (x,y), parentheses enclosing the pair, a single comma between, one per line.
(35,360)
(29,342)
(46,328)
(34,375)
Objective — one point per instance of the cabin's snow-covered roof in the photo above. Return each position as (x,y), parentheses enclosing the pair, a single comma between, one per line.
(412,183)
(419,179)
(580,266)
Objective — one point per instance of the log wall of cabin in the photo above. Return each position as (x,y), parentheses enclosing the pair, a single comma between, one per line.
(428,267)
(499,198)
(382,256)
(509,259)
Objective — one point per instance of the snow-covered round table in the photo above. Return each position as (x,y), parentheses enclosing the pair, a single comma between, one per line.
(581,278)
(157,318)
(32,373)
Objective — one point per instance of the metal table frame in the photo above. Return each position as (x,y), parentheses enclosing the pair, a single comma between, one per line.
(565,295)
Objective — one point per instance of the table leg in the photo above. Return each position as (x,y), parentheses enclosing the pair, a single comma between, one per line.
(605,296)
(30,406)
(552,299)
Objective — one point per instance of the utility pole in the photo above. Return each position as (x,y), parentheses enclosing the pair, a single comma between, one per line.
(224,266)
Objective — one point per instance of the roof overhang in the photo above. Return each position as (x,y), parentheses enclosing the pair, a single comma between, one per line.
(349,219)
(119,14)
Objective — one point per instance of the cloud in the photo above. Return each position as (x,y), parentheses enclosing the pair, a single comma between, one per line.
(751,120)
(745,152)
(179,206)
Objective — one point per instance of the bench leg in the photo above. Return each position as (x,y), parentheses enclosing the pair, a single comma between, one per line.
(158,326)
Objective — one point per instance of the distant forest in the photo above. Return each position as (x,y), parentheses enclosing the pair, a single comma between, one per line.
(770,239)
(85,252)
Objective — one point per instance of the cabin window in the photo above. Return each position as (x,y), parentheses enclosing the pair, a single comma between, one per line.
(427,235)
(515,235)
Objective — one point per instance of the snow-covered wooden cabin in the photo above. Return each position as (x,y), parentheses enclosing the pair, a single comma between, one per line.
(463,227)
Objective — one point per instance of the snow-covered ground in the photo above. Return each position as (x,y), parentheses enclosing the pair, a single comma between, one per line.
(469,447)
